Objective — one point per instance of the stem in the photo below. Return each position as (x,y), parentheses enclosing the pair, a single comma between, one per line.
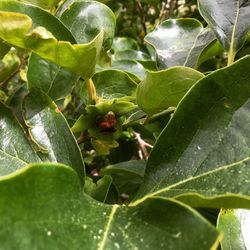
(91,91)
(230,57)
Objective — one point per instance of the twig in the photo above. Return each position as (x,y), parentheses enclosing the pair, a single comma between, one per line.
(143,152)
(141,15)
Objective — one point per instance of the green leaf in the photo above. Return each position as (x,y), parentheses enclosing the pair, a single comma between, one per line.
(16,29)
(39,17)
(229,20)
(63,217)
(51,78)
(124,43)
(98,190)
(130,54)
(4,49)
(55,81)
(46,4)
(111,84)
(8,66)
(202,156)
(163,89)
(179,42)
(15,149)
(135,69)
(50,131)
(87,19)
(127,176)
(234,225)
(130,168)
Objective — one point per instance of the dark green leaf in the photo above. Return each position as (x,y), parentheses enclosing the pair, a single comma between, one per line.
(4,49)
(50,131)
(43,206)
(202,156)
(15,150)
(112,84)
(98,190)
(229,20)
(55,81)
(179,42)
(86,20)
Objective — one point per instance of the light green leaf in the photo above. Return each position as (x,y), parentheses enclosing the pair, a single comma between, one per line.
(124,43)
(202,156)
(98,190)
(50,131)
(51,78)
(15,149)
(86,20)
(39,17)
(130,54)
(8,65)
(54,80)
(234,225)
(63,217)
(229,20)
(46,4)
(16,29)
(163,89)
(179,42)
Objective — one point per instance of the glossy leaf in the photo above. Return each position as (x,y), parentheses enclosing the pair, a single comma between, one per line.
(62,217)
(15,149)
(135,69)
(202,156)
(234,225)
(47,46)
(54,80)
(124,43)
(179,42)
(51,78)
(39,17)
(163,89)
(86,20)
(47,4)
(130,54)
(49,130)
(229,20)
(112,84)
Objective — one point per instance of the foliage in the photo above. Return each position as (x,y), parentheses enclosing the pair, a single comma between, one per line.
(124,124)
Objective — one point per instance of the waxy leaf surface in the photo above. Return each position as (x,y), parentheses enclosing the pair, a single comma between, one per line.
(17,30)
(234,225)
(179,42)
(229,20)
(50,131)
(163,89)
(86,20)
(51,78)
(63,217)
(15,149)
(202,156)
